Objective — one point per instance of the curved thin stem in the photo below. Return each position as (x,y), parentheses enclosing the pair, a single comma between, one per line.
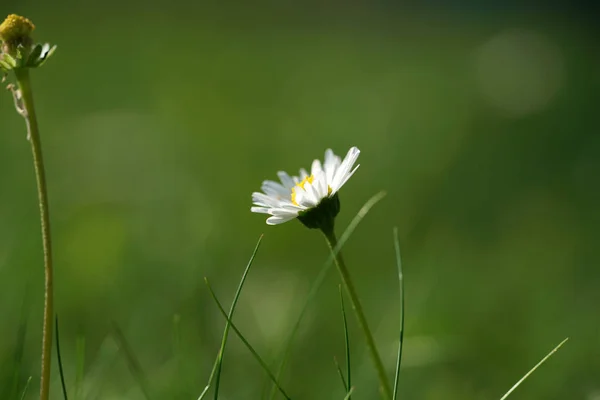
(33,134)
(59,359)
(358,311)
(401,284)
(287,349)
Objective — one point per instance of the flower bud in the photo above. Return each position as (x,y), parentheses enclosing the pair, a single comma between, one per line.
(15,31)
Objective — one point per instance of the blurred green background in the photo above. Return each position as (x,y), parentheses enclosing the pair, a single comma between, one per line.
(159,119)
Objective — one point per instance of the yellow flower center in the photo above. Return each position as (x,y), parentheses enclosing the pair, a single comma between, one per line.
(16,29)
(308,179)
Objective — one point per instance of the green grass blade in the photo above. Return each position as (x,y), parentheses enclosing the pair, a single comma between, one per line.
(401,287)
(341,374)
(132,361)
(346,340)
(216,370)
(230,316)
(243,339)
(319,280)
(79,372)
(26,387)
(204,392)
(59,359)
(533,369)
(349,394)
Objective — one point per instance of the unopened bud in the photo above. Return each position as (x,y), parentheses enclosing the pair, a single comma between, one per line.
(15,31)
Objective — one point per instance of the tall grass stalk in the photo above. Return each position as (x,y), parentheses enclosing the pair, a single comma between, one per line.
(217,366)
(258,358)
(543,360)
(60,364)
(346,341)
(314,288)
(33,133)
(341,374)
(358,311)
(401,288)
(25,389)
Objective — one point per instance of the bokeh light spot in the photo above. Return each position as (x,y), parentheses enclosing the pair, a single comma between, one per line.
(519,71)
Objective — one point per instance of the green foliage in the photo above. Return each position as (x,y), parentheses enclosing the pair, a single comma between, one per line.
(218,365)
(247,344)
(348,383)
(151,164)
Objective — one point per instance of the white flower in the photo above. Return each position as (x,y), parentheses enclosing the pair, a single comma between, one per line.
(296,196)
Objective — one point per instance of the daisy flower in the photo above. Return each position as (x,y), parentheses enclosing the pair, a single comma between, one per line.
(312,198)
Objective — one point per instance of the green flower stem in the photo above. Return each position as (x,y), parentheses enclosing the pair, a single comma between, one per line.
(358,310)
(38,162)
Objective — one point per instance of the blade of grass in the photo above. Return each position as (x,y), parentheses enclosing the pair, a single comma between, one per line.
(79,372)
(319,280)
(229,317)
(340,373)
(401,287)
(26,387)
(59,360)
(243,339)
(216,370)
(132,361)
(533,369)
(358,311)
(346,339)
(25,107)
(349,394)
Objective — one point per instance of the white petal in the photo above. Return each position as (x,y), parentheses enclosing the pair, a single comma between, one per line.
(285,203)
(313,193)
(316,168)
(279,219)
(303,174)
(329,156)
(261,210)
(320,185)
(45,50)
(261,199)
(304,198)
(285,210)
(289,207)
(285,216)
(344,169)
(343,182)
(287,181)
(300,196)
(332,163)
(274,189)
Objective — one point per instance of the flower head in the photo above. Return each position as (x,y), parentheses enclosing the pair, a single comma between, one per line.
(16,30)
(17,49)
(312,198)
